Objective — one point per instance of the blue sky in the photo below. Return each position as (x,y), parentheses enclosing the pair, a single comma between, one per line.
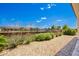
(40,15)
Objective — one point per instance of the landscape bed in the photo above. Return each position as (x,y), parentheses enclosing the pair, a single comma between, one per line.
(12,41)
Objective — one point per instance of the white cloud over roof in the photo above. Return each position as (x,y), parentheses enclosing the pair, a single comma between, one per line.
(42,8)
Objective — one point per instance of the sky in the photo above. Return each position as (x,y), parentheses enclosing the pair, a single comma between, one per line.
(41,15)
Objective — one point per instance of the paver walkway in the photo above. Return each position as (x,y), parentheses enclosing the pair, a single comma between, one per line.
(70,49)
(76,50)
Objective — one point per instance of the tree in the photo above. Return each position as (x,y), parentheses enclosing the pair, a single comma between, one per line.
(53,27)
(65,27)
(58,27)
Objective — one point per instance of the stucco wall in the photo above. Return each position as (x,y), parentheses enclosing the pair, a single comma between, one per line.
(75,7)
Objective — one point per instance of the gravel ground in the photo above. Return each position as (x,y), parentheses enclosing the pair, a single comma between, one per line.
(44,48)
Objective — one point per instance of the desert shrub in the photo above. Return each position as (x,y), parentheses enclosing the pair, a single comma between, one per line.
(39,37)
(76,30)
(43,36)
(3,42)
(52,34)
(13,41)
(1,49)
(58,34)
(11,46)
(69,32)
(28,39)
(48,36)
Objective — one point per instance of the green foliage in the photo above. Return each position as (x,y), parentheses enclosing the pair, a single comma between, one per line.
(65,27)
(58,27)
(2,39)
(70,32)
(44,36)
(53,27)
(52,34)
(3,42)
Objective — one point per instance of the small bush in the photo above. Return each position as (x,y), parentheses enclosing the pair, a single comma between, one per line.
(76,30)
(48,36)
(28,39)
(3,42)
(44,36)
(70,32)
(13,41)
(58,34)
(26,42)
(1,49)
(52,34)
(11,46)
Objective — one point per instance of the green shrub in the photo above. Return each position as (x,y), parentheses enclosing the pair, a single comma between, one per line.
(48,36)
(3,42)
(40,37)
(52,34)
(65,27)
(70,32)
(44,36)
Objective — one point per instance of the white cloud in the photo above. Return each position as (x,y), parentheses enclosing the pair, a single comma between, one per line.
(38,21)
(58,20)
(43,18)
(50,5)
(42,8)
(49,24)
(53,4)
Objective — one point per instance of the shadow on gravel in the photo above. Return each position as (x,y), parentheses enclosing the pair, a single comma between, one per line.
(68,49)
